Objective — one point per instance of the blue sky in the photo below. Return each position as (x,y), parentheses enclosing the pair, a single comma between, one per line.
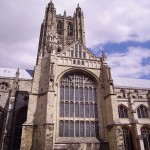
(138,65)
(120,28)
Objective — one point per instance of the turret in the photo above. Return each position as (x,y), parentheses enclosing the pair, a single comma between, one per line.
(15,84)
(79,25)
(48,31)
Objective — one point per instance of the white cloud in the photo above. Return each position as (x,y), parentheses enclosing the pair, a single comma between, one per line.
(130,64)
(19,55)
(105,21)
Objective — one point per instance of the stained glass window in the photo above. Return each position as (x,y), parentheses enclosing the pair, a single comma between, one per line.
(145,131)
(87,129)
(71,129)
(91,111)
(142,112)
(66,93)
(128,140)
(70,29)
(78,107)
(61,109)
(66,109)
(61,128)
(66,134)
(123,112)
(71,109)
(86,110)
(81,93)
(71,93)
(59,27)
(77,128)
(86,93)
(81,129)
(92,129)
(62,93)
(81,110)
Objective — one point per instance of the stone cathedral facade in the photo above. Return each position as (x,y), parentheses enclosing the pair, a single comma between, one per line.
(70,101)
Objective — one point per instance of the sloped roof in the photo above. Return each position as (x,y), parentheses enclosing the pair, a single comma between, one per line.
(118,81)
(11,73)
(131,82)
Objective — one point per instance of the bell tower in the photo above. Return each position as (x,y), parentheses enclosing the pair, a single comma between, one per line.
(57,33)
(61,30)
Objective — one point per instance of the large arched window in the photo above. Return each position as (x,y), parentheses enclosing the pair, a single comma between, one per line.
(145,131)
(60,27)
(142,112)
(78,107)
(1,122)
(123,112)
(128,140)
(20,118)
(70,29)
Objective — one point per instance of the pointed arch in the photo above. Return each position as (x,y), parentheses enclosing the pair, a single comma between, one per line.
(128,138)
(122,111)
(60,27)
(145,132)
(80,105)
(70,29)
(20,118)
(142,111)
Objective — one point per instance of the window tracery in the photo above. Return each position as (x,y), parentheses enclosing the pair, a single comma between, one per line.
(142,112)
(123,112)
(78,107)
(4,85)
(60,27)
(128,140)
(70,29)
(145,131)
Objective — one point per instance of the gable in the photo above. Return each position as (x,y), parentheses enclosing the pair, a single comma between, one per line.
(78,55)
(77,50)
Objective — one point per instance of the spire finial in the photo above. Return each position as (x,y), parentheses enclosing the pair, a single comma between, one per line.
(78,5)
(103,56)
(17,73)
(64,12)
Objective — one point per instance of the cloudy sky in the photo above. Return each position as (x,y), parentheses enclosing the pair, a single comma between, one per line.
(120,27)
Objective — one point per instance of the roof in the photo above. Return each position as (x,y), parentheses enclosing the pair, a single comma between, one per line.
(131,83)
(11,73)
(118,81)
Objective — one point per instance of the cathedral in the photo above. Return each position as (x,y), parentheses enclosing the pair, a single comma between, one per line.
(70,101)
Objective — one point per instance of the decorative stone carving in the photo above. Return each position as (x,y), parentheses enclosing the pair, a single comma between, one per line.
(103,57)
(4,85)
(51,84)
(120,141)
(49,136)
(69,42)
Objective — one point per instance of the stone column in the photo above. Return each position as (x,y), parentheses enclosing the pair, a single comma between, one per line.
(6,139)
(27,137)
(141,144)
(120,139)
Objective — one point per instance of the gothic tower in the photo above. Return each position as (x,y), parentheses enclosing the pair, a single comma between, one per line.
(66,109)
